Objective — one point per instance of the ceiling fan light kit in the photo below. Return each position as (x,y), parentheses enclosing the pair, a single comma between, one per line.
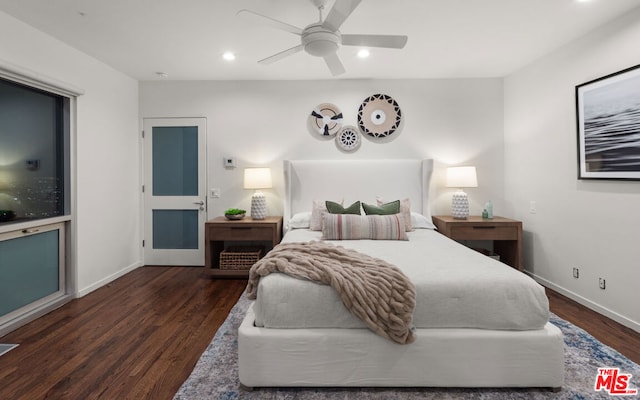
(323,38)
(319,41)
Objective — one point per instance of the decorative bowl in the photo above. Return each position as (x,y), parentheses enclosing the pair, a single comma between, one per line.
(234,216)
(7,215)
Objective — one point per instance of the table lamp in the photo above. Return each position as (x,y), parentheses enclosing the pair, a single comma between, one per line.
(461,177)
(258,178)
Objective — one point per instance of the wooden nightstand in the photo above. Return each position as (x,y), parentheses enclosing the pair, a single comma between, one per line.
(220,230)
(506,234)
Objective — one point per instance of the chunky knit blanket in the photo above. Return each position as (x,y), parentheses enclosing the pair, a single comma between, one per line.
(373,290)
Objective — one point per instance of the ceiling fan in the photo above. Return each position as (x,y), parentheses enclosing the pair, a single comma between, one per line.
(323,38)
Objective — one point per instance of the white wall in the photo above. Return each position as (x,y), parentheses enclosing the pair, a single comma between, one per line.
(264,122)
(107,216)
(593,225)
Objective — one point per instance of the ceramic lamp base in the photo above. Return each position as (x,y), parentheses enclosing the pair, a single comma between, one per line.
(258,206)
(460,205)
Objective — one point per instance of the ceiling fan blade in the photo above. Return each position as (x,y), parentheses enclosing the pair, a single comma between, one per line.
(339,13)
(274,23)
(389,41)
(334,64)
(281,55)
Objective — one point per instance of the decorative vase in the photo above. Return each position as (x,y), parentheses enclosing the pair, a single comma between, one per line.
(460,205)
(258,206)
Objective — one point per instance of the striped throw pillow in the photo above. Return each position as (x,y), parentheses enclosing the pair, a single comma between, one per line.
(355,227)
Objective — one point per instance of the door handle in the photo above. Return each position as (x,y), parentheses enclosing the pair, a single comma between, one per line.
(200,203)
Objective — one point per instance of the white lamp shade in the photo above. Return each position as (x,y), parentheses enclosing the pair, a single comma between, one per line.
(257,178)
(461,177)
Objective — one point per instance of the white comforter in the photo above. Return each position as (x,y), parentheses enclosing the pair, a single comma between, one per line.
(456,288)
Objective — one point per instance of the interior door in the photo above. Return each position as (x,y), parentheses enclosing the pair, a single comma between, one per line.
(174,191)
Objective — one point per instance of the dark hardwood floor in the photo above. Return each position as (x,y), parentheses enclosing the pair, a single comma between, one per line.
(140,336)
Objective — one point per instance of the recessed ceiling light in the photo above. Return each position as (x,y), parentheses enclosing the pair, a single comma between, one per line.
(363,53)
(162,74)
(229,56)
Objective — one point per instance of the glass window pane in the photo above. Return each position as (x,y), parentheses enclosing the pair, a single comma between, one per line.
(28,270)
(175,229)
(175,161)
(32,152)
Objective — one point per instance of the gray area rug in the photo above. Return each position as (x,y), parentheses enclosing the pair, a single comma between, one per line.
(215,376)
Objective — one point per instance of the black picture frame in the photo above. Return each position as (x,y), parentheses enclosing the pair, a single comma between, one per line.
(608,125)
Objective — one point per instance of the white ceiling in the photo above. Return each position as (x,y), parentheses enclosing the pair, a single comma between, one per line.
(186,38)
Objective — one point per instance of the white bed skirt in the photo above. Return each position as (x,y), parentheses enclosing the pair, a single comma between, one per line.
(438,358)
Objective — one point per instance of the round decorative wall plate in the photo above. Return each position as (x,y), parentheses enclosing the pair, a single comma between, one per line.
(326,119)
(348,139)
(379,115)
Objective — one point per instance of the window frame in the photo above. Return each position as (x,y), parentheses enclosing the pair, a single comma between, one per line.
(68,236)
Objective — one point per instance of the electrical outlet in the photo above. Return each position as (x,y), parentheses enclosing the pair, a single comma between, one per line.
(602,283)
(576,272)
(533,207)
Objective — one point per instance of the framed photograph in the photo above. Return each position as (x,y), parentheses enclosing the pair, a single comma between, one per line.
(608,114)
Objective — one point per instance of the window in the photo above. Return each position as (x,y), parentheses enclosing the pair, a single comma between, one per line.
(34,153)
(35,204)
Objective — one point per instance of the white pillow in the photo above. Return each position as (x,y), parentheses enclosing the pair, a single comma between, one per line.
(300,220)
(419,221)
(318,210)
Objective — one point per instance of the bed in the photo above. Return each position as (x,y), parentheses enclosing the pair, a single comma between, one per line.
(478,322)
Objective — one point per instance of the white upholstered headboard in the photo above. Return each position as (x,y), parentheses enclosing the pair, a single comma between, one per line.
(352,180)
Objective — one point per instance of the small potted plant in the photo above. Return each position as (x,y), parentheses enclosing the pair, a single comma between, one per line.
(234,213)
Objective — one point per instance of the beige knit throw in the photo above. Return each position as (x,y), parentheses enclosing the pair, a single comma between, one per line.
(373,290)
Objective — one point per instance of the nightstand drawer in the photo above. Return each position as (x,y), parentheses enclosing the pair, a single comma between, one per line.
(484,232)
(242,233)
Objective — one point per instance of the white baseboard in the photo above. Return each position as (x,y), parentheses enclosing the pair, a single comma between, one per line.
(587,303)
(108,279)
